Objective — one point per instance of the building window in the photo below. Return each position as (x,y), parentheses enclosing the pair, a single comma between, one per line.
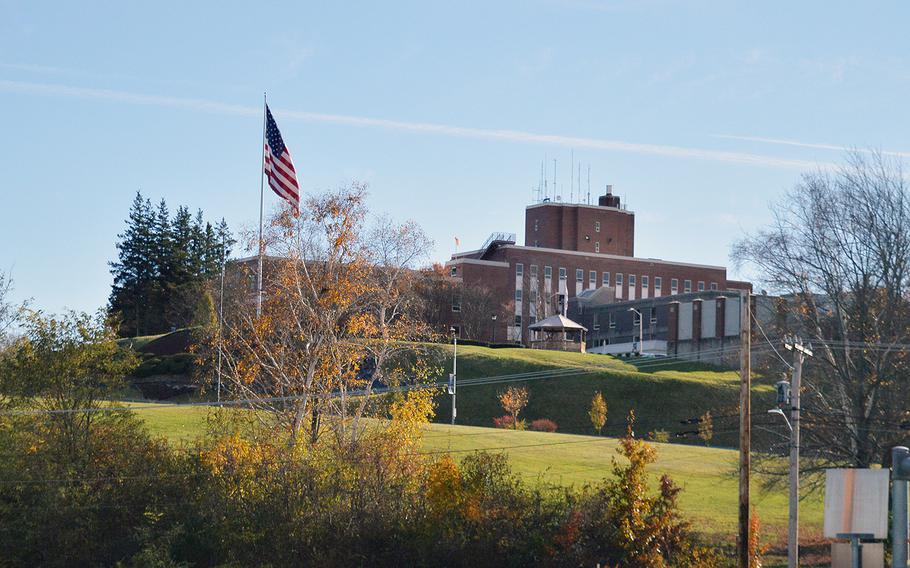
(606,279)
(536,243)
(453,271)
(635,320)
(548,272)
(519,269)
(596,247)
(631,281)
(518,295)
(532,295)
(532,320)
(594,323)
(535,225)
(592,279)
(619,279)
(562,273)
(653,315)
(518,320)
(579,275)
(657,282)
(596,226)
(701,286)
(644,282)
(687,286)
(456,304)
(674,285)
(533,271)
(714,285)
(612,320)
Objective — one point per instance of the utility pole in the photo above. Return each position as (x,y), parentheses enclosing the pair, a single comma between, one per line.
(800,352)
(900,473)
(745,424)
(453,379)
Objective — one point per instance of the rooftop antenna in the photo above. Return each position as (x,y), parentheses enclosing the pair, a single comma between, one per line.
(579,182)
(554,178)
(589,184)
(572,178)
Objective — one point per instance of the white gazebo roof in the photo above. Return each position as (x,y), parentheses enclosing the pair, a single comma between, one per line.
(557,323)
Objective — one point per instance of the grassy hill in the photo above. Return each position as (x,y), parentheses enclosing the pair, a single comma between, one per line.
(661,391)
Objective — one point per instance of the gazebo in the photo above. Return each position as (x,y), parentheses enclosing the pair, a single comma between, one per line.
(558,333)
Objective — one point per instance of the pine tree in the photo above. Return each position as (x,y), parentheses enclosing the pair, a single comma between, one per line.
(165,268)
(134,271)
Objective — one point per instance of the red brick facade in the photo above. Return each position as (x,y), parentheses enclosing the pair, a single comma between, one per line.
(585,228)
(559,258)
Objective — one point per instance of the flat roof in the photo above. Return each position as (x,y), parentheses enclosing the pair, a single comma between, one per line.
(584,205)
(615,257)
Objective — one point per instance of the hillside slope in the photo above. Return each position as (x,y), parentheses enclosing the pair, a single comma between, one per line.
(662,392)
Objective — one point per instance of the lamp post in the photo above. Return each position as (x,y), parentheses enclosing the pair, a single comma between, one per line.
(493,332)
(641,336)
(454,378)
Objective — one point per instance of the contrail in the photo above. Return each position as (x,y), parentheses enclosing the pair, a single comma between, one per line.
(799,144)
(216,107)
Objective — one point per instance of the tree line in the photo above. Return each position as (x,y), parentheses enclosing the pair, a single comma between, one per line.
(164,266)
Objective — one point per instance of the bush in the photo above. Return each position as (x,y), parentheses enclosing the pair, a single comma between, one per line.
(543,425)
(659,436)
(508,423)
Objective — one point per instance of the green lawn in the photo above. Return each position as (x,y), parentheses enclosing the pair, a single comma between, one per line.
(662,392)
(709,496)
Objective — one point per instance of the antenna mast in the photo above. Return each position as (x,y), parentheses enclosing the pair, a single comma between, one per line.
(589,184)
(554,178)
(572,178)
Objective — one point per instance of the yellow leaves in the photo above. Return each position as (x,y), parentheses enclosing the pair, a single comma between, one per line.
(233,455)
(443,487)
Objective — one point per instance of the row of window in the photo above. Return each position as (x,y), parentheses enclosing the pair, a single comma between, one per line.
(605,279)
(651,313)
(596,226)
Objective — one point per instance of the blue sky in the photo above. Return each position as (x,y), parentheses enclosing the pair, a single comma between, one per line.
(699,113)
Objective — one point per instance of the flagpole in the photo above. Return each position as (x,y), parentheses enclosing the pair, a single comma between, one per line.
(261,205)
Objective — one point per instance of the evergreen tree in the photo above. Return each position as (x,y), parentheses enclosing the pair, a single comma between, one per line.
(135,269)
(165,268)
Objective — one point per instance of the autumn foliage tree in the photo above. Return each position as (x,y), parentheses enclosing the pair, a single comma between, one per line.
(598,412)
(336,318)
(513,400)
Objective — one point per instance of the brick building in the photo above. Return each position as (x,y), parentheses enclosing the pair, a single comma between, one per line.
(570,248)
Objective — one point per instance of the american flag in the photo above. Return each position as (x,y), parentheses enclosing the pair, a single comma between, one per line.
(278,165)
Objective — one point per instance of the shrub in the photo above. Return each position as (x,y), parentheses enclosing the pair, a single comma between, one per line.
(660,436)
(508,423)
(543,425)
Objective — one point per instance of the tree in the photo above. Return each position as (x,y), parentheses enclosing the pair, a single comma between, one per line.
(164,274)
(838,253)
(513,400)
(598,412)
(335,320)
(706,428)
(478,304)
(135,270)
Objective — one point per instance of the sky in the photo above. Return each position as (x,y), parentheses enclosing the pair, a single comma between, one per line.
(700,114)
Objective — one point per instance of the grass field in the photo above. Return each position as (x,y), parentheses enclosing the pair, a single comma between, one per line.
(662,392)
(709,496)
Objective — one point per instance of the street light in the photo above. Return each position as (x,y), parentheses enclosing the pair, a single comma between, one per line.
(493,333)
(453,378)
(641,333)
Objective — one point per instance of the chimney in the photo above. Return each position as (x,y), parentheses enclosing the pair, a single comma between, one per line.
(609,200)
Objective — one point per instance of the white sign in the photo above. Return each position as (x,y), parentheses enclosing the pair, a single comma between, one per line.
(856,502)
